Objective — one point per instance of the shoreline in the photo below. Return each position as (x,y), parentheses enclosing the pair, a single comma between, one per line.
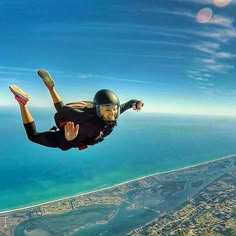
(114,186)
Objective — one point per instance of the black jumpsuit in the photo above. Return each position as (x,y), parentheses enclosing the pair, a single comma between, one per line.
(92,129)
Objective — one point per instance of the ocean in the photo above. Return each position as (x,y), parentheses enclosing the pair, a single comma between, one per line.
(142,144)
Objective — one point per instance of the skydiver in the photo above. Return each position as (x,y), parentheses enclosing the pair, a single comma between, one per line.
(79,124)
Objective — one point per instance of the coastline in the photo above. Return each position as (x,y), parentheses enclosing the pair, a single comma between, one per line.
(117,185)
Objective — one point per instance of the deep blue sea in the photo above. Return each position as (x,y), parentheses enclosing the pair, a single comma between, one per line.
(141,144)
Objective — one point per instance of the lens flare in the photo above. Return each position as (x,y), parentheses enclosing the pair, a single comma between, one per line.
(221,3)
(204,15)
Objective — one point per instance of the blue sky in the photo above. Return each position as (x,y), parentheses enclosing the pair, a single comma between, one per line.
(153,50)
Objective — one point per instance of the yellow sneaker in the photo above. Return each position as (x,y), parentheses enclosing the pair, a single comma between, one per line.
(45,76)
(19,94)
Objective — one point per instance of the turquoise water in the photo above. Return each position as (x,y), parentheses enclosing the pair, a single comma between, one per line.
(142,144)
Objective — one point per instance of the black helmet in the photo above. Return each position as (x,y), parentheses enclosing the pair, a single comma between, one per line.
(106,97)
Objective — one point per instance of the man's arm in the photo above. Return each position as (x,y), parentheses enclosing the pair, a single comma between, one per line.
(133,103)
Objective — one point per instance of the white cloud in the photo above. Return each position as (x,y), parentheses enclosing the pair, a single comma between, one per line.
(205,85)
(149,42)
(216,19)
(181,12)
(200,1)
(222,35)
(101,77)
(200,79)
(225,92)
(221,68)
(208,47)
(190,76)
(177,12)
(225,55)
(11,75)
(212,48)
(25,71)
(207,75)
(12,69)
(194,72)
(9,80)
(221,21)
(205,2)
(210,84)
(206,60)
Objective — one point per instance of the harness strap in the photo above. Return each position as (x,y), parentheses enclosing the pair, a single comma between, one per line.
(82,147)
(63,123)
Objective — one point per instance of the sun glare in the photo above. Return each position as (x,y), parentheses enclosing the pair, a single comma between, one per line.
(221,3)
(204,15)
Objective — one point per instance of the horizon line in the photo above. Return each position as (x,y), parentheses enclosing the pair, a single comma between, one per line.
(232,115)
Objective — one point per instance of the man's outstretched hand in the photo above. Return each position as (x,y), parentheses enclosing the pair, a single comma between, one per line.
(139,105)
(71,131)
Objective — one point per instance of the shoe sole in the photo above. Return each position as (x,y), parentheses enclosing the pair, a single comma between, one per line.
(19,92)
(45,76)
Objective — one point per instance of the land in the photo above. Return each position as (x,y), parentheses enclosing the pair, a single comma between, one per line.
(199,200)
(210,212)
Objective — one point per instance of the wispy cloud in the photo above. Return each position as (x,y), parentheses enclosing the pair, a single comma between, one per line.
(12,69)
(102,77)
(215,19)
(121,28)
(207,75)
(197,75)
(220,68)
(225,55)
(214,56)
(225,92)
(154,42)
(210,84)
(73,75)
(221,35)
(176,12)
(14,74)
(206,60)
(213,49)
(221,21)
(222,32)
(208,47)
(205,85)
(217,91)
(206,2)
(10,80)
(200,79)
(193,72)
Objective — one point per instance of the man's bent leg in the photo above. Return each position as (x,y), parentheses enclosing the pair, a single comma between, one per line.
(25,114)
(50,84)
(22,98)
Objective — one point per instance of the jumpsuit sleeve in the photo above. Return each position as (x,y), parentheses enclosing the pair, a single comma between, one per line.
(127,105)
